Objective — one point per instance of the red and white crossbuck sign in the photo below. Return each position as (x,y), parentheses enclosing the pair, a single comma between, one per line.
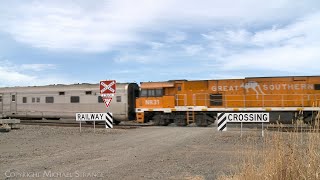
(107,87)
(107,90)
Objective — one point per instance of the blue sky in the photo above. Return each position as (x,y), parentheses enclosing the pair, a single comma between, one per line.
(81,41)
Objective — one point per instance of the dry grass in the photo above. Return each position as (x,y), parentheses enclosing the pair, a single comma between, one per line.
(283,155)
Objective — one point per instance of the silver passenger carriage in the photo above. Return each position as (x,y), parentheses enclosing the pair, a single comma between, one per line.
(63,101)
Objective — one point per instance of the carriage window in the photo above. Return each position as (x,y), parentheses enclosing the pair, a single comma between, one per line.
(24,100)
(61,93)
(118,98)
(75,99)
(49,99)
(0,99)
(88,92)
(100,100)
(215,99)
(13,98)
(317,87)
(33,100)
(38,99)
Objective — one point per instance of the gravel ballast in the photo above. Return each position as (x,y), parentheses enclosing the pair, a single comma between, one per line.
(142,153)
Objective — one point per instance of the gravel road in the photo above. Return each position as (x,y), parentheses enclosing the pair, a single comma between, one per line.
(40,152)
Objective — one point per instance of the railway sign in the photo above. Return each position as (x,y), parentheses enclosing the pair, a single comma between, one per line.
(223,118)
(108,87)
(107,117)
(92,116)
(245,117)
(107,90)
(107,100)
(109,121)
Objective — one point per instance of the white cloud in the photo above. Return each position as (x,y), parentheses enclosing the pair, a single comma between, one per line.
(193,49)
(196,36)
(37,67)
(156,45)
(289,59)
(27,74)
(229,36)
(294,48)
(105,25)
(177,36)
(132,58)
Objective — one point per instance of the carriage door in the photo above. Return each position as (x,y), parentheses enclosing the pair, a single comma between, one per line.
(181,98)
(1,105)
(13,104)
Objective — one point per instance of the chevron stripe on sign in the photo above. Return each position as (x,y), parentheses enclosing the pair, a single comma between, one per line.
(222,122)
(109,121)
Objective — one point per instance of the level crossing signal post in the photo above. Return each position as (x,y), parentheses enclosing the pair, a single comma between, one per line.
(107,91)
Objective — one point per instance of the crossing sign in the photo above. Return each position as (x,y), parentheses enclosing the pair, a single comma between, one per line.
(108,87)
(107,91)
(107,100)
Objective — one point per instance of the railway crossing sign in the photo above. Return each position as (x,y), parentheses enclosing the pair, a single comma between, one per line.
(108,87)
(109,120)
(107,101)
(107,117)
(223,118)
(107,91)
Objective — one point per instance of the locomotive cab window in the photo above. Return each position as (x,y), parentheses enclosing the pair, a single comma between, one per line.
(144,93)
(215,99)
(49,99)
(317,87)
(74,99)
(159,92)
(151,92)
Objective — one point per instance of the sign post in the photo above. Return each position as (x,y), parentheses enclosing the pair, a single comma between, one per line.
(107,91)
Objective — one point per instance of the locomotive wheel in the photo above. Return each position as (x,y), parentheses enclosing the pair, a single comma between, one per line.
(180,122)
(201,120)
(156,120)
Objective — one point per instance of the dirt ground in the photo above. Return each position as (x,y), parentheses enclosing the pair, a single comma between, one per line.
(43,152)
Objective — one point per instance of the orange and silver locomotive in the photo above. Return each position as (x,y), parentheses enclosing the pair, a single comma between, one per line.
(183,102)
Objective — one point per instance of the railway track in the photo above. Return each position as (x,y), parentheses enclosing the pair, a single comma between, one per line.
(69,123)
(132,125)
(293,128)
